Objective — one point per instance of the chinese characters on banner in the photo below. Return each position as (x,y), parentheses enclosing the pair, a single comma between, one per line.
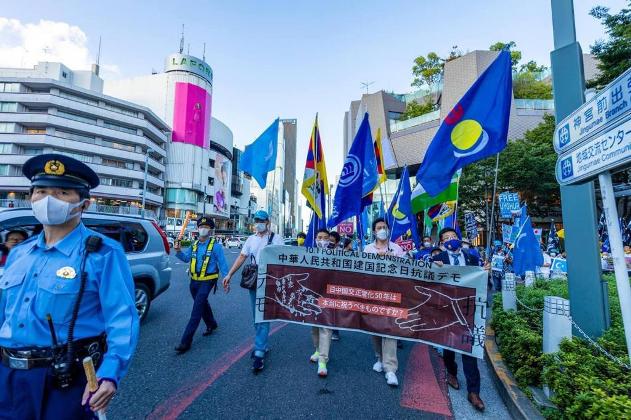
(378,295)
(471,225)
(509,203)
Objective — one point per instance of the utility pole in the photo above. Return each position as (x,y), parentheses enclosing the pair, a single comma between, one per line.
(589,304)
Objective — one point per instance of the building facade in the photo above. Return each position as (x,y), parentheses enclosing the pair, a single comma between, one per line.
(290,198)
(53,109)
(242,207)
(199,161)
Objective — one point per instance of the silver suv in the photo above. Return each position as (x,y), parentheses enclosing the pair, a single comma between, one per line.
(146,247)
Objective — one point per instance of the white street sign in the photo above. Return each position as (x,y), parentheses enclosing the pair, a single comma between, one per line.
(602,153)
(610,105)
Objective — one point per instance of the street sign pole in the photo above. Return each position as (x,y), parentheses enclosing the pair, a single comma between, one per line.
(617,251)
(588,300)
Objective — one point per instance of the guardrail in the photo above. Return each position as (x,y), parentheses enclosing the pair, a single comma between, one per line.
(396,125)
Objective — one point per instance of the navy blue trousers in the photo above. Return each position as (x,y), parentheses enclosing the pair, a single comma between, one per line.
(201,309)
(469,366)
(31,395)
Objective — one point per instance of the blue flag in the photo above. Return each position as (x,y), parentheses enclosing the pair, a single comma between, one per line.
(527,253)
(259,158)
(316,223)
(400,216)
(475,128)
(358,179)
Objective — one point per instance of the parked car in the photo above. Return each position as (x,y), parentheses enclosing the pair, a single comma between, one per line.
(233,243)
(145,243)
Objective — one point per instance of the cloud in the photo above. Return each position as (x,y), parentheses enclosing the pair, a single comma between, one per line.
(22,45)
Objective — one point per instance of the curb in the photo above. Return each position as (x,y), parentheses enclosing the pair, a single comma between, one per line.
(517,403)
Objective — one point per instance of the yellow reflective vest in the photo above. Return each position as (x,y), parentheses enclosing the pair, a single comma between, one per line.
(202,275)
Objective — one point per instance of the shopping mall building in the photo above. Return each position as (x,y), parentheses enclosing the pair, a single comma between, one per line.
(200,153)
(53,109)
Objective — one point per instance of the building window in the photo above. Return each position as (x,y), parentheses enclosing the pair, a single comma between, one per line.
(6,148)
(211,181)
(211,162)
(120,110)
(31,151)
(80,157)
(8,170)
(8,127)
(77,98)
(117,163)
(74,136)
(8,107)
(117,127)
(9,87)
(31,130)
(120,146)
(76,117)
(117,182)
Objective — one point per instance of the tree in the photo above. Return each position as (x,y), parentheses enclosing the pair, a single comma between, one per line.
(414,109)
(526,86)
(515,55)
(532,67)
(614,54)
(427,70)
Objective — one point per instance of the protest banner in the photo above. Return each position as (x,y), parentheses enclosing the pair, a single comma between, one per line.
(345,228)
(376,294)
(471,225)
(497,263)
(406,245)
(509,203)
(507,231)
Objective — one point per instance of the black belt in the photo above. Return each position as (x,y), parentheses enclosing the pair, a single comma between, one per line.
(38,357)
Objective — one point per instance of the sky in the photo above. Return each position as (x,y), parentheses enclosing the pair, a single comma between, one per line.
(281,58)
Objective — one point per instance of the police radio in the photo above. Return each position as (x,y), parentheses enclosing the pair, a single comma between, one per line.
(64,365)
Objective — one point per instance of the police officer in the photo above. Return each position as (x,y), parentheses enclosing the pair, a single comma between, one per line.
(66,294)
(206,259)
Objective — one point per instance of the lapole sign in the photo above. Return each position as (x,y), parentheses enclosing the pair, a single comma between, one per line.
(609,106)
(183,62)
(376,294)
(605,152)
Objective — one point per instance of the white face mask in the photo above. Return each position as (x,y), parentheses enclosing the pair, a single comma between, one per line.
(427,244)
(204,231)
(323,244)
(53,211)
(465,246)
(382,234)
(260,227)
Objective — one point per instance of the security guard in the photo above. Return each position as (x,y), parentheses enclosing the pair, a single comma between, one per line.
(66,294)
(206,259)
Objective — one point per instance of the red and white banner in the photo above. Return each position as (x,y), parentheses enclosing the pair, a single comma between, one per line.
(345,228)
(376,294)
(406,245)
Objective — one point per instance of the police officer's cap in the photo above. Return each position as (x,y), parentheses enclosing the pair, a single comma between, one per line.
(55,170)
(207,221)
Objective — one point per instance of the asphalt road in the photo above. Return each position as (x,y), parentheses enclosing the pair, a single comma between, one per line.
(214,379)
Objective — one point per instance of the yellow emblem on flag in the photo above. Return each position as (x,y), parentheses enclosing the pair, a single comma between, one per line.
(54,167)
(66,273)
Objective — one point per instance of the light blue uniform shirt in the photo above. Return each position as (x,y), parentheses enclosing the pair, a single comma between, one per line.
(40,280)
(217,259)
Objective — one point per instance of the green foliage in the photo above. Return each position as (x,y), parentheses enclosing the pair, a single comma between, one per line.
(614,54)
(185,243)
(532,67)
(586,384)
(427,71)
(515,55)
(526,86)
(414,109)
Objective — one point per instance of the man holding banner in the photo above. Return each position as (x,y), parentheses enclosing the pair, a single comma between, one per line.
(385,348)
(455,256)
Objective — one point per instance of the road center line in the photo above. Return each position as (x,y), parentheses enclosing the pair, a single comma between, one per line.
(186,395)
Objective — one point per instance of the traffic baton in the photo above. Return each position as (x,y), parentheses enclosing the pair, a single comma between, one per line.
(93,384)
(183,229)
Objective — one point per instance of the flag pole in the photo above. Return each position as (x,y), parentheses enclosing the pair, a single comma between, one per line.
(492,224)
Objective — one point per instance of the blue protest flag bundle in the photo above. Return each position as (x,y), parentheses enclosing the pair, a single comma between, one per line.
(259,158)
(358,179)
(316,223)
(477,127)
(527,253)
(400,216)
(553,239)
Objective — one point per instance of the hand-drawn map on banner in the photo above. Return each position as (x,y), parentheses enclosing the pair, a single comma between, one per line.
(379,295)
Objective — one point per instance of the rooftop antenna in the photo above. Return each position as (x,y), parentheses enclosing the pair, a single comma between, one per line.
(204,53)
(188,50)
(182,40)
(98,55)
(366,84)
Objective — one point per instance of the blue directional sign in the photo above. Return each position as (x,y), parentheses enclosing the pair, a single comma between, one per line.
(610,105)
(610,150)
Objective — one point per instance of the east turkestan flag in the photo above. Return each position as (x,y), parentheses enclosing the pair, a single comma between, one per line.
(259,158)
